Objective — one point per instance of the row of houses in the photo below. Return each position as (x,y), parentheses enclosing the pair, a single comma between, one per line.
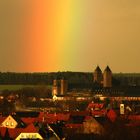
(50,125)
(16,128)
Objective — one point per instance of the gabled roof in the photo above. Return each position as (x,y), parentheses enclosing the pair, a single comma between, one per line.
(21,124)
(13,133)
(98,69)
(91,125)
(102,120)
(107,69)
(19,121)
(8,120)
(112,115)
(91,119)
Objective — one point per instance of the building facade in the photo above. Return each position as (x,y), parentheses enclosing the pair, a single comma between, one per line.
(60,87)
(103,79)
(64,86)
(98,76)
(107,78)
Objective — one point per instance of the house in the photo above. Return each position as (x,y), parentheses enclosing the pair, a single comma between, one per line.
(90,125)
(20,133)
(17,128)
(8,122)
(76,119)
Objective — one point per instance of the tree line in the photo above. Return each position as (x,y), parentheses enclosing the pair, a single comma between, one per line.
(74,78)
(81,79)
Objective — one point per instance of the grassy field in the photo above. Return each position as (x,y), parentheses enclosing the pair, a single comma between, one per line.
(17,87)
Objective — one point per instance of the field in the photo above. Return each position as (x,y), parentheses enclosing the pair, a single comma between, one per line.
(17,87)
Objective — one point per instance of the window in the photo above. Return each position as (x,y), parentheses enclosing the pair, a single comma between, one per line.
(12,123)
(7,123)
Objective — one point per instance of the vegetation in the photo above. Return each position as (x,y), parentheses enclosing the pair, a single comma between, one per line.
(75,79)
(15,87)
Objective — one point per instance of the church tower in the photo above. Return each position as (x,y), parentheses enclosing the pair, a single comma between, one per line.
(97,75)
(107,77)
(64,86)
(55,89)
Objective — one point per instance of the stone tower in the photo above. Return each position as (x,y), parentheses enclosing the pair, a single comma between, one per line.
(107,77)
(55,82)
(64,86)
(98,76)
(55,88)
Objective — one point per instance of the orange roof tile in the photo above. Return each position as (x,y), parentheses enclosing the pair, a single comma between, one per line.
(2,119)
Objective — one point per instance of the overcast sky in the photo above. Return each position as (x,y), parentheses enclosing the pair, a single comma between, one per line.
(77,35)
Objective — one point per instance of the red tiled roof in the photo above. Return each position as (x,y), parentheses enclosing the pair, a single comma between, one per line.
(62,117)
(2,131)
(28,120)
(112,115)
(98,112)
(50,118)
(14,132)
(95,105)
(134,117)
(2,119)
(30,129)
(41,114)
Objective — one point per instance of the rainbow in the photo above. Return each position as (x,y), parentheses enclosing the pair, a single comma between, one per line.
(54,33)
(69,35)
